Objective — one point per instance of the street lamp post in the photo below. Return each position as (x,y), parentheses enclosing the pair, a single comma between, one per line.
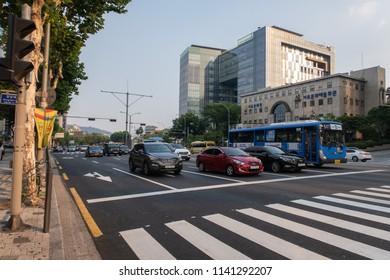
(128,132)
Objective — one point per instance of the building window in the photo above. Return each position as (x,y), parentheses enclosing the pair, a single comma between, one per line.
(245,100)
(304,104)
(345,100)
(265,121)
(312,88)
(362,87)
(289,91)
(357,102)
(330,100)
(280,113)
(321,102)
(312,103)
(351,101)
(296,105)
(362,103)
(304,90)
(356,86)
(283,93)
(277,94)
(266,109)
(245,112)
(329,85)
(255,111)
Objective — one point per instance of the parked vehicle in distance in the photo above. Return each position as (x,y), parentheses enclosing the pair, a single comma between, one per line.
(110,149)
(277,159)
(71,149)
(198,146)
(58,149)
(94,151)
(123,150)
(356,155)
(182,151)
(228,159)
(154,157)
(83,148)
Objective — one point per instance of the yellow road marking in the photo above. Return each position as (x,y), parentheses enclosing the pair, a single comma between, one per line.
(93,227)
(59,167)
(65,176)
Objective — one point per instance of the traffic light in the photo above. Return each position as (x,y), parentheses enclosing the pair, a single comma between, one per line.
(12,67)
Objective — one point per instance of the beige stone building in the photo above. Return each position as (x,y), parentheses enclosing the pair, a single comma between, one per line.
(354,93)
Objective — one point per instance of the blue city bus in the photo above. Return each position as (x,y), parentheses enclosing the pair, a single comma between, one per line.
(320,142)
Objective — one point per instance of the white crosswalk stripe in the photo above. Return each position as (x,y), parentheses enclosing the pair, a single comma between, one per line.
(205,242)
(283,217)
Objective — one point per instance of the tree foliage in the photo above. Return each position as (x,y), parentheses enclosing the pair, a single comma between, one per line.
(217,115)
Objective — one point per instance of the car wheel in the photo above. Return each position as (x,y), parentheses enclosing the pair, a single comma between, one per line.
(201,167)
(363,160)
(146,169)
(298,169)
(176,172)
(131,166)
(275,166)
(355,159)
(230,170)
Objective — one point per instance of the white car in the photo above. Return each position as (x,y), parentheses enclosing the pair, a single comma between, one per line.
(182,151)
(356,155)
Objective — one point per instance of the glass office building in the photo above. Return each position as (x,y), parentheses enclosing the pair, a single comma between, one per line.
(193,63)
(268,57)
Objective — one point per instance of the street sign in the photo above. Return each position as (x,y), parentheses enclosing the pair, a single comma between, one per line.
(8,98)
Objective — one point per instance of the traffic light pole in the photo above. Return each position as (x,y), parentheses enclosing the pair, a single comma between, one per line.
(15,222)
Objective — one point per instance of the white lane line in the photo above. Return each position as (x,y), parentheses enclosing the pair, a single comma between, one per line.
(353,203)
(94,161)
(344,211)
(212,176)
(212,187)
(364,198)
(323,236)
(144,245)
(378,233)
(273,243)
(208,244)
(145,179)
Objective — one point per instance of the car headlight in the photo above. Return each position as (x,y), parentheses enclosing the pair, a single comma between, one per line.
(236,161)
(153,158)
(286,159)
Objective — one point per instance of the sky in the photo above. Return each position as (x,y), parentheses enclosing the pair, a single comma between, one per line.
(139,52)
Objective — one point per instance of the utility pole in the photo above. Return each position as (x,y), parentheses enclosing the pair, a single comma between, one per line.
(127,106)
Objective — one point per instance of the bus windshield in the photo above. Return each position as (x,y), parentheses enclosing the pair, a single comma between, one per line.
(331,137)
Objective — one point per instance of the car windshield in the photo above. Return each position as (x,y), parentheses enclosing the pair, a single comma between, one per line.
(275,150)
(234,152)
(159,148)
(94,148)
(177,146)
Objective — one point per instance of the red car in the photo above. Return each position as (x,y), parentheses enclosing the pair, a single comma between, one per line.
(230,160)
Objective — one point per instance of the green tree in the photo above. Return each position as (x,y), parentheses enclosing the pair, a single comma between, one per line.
(217,115)
(186,125)
(379,118)
(119,136)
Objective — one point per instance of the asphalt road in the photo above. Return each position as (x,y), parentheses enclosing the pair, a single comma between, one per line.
(336,212)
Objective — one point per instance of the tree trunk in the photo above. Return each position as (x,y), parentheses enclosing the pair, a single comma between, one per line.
(29,166)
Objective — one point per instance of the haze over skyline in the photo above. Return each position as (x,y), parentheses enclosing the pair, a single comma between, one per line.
(139,52)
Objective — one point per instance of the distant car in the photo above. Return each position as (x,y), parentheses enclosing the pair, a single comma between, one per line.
(154,157)
(276,159)
(94,151)
(356,155)
(71,149)
(182,151)
(123,150)
(110,149)
(228,159)
(58,149)
(83,148)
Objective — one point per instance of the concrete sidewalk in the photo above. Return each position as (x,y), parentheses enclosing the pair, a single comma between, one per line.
(68,237)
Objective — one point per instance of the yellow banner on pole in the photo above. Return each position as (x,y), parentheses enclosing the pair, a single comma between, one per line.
(44,121)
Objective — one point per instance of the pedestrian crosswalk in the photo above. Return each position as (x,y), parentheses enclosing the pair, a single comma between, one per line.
(354,225)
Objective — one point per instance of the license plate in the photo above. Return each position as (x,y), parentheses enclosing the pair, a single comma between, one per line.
(337,161)
(169,166)
(254,167)
(301,164)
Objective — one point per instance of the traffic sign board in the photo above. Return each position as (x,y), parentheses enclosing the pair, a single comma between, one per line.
(8,98)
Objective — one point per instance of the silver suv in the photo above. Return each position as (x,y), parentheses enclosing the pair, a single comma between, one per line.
(155,157)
